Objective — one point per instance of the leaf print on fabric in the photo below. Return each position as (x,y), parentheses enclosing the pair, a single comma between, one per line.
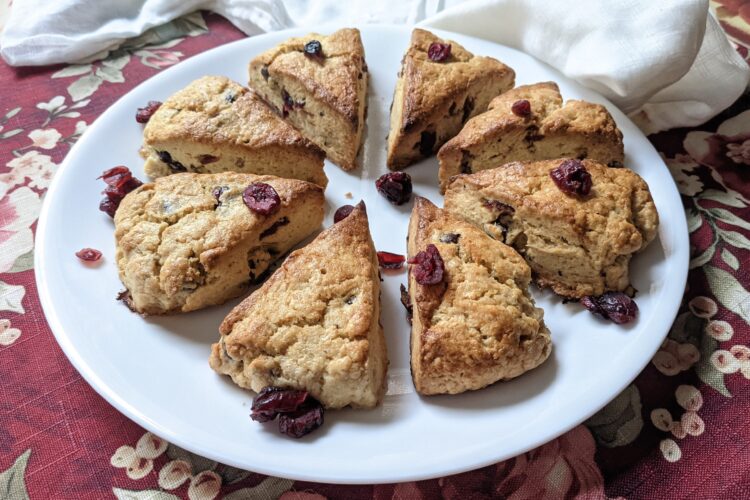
(12,481)
(620,421)
(270,487)
(11,298)
(707,369)
(121,494)
(8,335)
(729,292)
(730,260)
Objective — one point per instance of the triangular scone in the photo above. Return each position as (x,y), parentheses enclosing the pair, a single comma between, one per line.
(479,325)
(433,99)
(576,245)
(189,241)
(315,324)
(216,125)
(579,129)
(324,96)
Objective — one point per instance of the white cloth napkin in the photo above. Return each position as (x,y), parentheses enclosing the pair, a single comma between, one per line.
(667,63)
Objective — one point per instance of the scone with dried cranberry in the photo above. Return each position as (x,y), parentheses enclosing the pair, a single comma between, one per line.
(440,86)
(318,83)
(577,223)
(188,241)
(216,125)
(531,123)
(315,324)
(473,320)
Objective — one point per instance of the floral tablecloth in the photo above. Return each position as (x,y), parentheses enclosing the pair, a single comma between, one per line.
(680,430)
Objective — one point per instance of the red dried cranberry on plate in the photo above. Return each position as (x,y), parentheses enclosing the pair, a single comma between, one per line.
(120,182)
(395,187)
(143,115)
(388,260)
(342,213)
(614,306)
(89,254)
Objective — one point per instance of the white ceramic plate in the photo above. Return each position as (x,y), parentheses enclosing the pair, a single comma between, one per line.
(155,370)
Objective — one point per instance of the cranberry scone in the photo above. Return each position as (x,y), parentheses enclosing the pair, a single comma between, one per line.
(216,125)
(576,222)
(530,123)
(318,83)
(440,86)
(188,241)
(315,324)
(476,324)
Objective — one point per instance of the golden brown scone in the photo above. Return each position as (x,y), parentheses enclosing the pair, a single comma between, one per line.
(315,324)
(480,324)
(579,129)
(189,241)
(325,97)
(433,100)
(575,245)
(216,125)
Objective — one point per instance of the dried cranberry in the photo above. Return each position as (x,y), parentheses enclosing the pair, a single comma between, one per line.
(427,143)
(274,400)
(274,227)
(406,301)
(388,260)
(206,159)
(264,72)
(120,182)
(143,115)
(395,186)
(428,266)
(173,164)
(314,50)
(89,254)
(261,198)
(303,421)
(572,178)
(614,306)
(521,108)
(342,213)
(439,52)
(108,206)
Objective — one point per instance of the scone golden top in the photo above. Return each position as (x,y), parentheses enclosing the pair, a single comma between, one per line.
(215,125)
(434,99)
(324,96)
(575,245)
(315,324)
(578,129)
(480,325)
(188,241)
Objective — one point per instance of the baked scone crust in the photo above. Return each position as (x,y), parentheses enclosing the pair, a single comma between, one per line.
(578,129)
(216,125)
(333,90)
(181,249)
(576,246)
(315,324)
(480,325)
(433,100)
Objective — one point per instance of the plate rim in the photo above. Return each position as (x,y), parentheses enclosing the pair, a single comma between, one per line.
(89,374)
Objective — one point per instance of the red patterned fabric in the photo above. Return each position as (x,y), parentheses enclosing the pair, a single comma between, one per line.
(680,430)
